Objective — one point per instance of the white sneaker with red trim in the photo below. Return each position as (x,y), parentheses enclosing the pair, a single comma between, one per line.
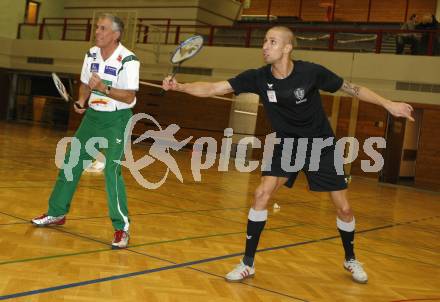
(120,240)
(45,220)
(240,272)
(357,271)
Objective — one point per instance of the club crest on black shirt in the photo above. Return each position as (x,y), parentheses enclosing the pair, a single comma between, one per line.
(299,94)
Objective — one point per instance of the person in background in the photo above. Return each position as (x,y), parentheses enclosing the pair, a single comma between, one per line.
(408,38)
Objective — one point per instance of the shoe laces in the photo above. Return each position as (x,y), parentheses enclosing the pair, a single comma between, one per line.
(355,266)
(241,266)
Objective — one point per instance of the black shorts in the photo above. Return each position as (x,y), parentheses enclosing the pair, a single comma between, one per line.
(325,179)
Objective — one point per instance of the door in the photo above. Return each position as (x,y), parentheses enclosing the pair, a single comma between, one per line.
(395,134)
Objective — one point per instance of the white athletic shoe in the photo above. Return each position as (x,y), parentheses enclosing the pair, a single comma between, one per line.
(45,220)
(240,272)
(357,271)
(95,167)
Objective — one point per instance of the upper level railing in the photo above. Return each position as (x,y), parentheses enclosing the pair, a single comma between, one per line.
(312,37)
(63,26)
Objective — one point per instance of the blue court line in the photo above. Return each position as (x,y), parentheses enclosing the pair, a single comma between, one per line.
(13,216)
(150,271)
(185,264)
(169,267)
(117,277)
(221,277)
(13,223)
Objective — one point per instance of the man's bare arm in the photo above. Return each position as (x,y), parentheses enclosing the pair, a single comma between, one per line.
(122,95)
(364,94)
(199,89)
(84,93)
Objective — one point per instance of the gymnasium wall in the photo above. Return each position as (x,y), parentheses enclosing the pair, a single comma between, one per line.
(221,12)
(51,8)
(5,52)
(13,12)
(9,21)
(184,12)
(346,10)
(377,71)
(437,14)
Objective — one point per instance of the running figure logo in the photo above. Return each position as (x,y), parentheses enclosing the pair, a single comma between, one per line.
(164,140)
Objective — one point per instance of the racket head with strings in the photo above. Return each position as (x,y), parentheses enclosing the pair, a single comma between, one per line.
(60,87)
(187,49)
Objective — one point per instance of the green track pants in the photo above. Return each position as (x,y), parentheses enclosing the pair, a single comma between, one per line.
(111,126)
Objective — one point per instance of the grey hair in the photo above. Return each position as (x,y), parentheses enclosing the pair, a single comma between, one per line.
(117,23)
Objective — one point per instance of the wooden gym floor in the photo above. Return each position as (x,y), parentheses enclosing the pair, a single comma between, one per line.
(185,237)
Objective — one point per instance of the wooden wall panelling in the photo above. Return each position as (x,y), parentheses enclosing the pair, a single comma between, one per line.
(285,7)
(258,7)
(421,7)
(344,117)
(428,154)
(371,122)
(4,93)
(311,11)
(196,117)
(349,10)
(74,118)
(346,10)
(387,10)
(327,103)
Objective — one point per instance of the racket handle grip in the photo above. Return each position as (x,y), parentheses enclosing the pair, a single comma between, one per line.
(173,75)
(163,91)
(78,105)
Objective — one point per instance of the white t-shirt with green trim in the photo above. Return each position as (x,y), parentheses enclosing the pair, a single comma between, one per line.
(120,70)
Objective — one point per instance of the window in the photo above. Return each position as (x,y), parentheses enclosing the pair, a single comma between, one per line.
(31,13)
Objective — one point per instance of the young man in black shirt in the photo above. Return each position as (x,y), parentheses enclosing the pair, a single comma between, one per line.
(289,90)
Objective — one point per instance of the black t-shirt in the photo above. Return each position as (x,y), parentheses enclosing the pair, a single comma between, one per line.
(293,105)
